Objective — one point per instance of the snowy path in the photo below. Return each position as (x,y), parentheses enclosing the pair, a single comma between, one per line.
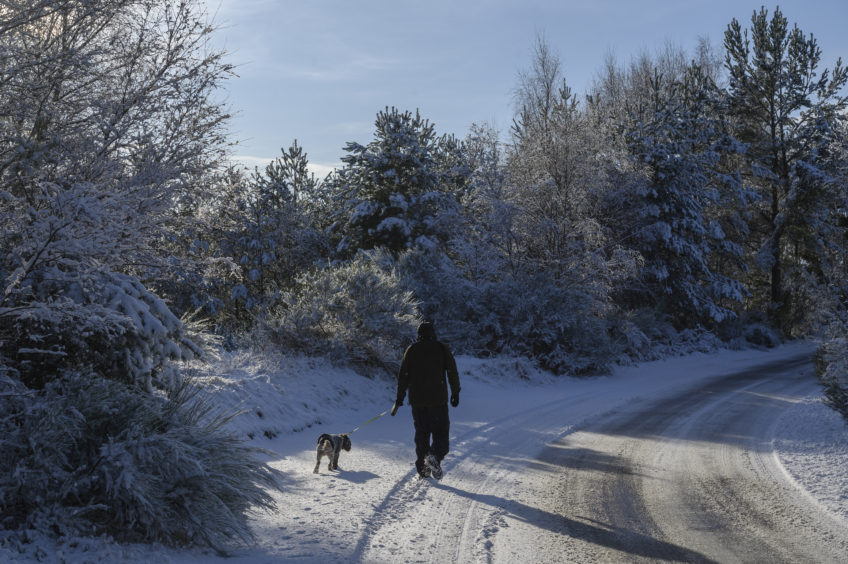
(672,460)
(690,477)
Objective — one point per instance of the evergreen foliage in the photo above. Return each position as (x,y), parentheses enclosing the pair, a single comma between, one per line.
(392,192)
(683,144)
(785,109)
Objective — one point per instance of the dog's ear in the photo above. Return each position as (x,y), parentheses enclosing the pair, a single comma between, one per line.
(346,442)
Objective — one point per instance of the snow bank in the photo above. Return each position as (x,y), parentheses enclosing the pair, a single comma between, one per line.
(811,442)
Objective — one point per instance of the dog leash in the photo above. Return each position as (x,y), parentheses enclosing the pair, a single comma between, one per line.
(369,421)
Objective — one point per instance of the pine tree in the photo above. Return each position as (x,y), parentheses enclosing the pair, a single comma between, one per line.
(391,192)
(784,108)
(265,228)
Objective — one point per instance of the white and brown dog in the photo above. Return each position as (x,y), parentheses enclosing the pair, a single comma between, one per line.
(331,446)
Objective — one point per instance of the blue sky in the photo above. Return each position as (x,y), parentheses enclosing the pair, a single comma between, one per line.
(319,70)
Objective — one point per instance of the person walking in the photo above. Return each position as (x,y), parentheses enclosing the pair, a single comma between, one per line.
(422,372)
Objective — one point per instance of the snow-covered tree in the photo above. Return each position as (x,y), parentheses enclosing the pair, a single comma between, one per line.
(486,248)
(109,126)
(393,192)
(681,143)
(109,123)
(551,164)
(262,224)
(784,107)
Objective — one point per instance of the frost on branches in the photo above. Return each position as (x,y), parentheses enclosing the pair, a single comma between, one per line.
(108,129)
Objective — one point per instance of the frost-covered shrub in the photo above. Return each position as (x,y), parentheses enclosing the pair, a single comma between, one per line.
(761,334)
(446,297)
(359,311)
(105,321)
(561,327)
(749,329)
(88,456)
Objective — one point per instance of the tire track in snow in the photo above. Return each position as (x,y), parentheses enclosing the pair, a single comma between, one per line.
(447,509)
(699,470)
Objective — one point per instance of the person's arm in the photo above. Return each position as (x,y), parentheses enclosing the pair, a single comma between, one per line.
(453,375)
(402,380)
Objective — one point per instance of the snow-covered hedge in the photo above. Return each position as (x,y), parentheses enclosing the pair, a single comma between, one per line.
(106,321)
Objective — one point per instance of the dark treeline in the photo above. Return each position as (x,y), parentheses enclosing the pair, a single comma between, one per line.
(687,197)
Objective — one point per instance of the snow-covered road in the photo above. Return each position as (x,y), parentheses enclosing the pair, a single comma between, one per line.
(692,477)
(664,461)
(726,456)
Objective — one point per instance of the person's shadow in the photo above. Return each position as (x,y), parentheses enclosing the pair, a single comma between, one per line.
(617,538)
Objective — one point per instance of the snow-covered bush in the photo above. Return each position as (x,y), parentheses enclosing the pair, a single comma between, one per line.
(107,322)
(539,318)
(91,456)
(446,297)
(358,311)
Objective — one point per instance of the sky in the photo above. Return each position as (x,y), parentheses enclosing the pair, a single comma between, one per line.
(319,71)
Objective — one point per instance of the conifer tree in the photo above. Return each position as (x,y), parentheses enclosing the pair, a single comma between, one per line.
(391,192)
(268,232)
(784,108)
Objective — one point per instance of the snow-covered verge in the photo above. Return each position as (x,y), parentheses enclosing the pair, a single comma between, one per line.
(508,411)
(811,442)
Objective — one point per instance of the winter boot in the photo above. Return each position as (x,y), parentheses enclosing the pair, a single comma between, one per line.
(432,463)
(423,469)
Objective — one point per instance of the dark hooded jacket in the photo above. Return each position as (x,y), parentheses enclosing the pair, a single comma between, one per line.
(423,370)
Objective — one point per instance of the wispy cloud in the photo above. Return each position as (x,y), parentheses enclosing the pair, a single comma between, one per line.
(340,63)
(265,40)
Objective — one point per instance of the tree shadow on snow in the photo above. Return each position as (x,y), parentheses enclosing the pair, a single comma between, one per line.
(585,529)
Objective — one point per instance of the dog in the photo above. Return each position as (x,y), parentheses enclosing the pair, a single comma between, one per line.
(331,446)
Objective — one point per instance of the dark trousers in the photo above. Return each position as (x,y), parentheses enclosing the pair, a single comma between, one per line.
(431,423)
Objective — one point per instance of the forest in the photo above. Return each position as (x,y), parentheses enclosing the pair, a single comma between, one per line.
(685,198)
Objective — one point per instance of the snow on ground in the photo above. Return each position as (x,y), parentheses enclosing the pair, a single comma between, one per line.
(811,441)
(367,510)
